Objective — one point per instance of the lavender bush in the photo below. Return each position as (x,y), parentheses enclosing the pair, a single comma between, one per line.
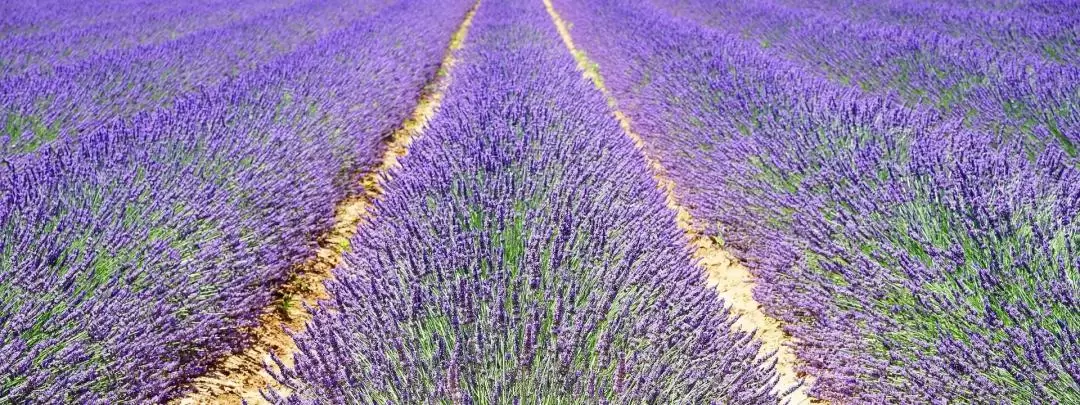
(131,256)
(522,253)
(1046,29)
(57,37)
(1015,77)
(900,176)
(61,101)
(914,256)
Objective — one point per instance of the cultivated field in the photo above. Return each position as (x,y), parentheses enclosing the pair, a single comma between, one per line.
(540,201)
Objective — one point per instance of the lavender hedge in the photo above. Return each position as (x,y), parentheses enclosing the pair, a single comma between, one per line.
(62,101)
(30,17)
(1015,77)
(131,257)
(57,37)
(1046,29)
(914,256)
(522,253)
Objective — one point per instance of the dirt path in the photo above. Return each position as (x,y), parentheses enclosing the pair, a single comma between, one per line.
(731,279)
(239,378)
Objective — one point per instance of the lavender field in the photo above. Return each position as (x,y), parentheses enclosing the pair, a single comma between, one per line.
(540,202)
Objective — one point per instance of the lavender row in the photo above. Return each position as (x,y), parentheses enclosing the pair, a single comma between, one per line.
(150,25)
(29,17)
(1040,36)
(1050,27)
(1038,6)
(1028,94)
(132,259)
(67,100)
(522,253)
(1018,28)
(913,258)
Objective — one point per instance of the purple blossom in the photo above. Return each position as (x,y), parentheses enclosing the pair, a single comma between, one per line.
(134,254)
(916,252)
(523,252)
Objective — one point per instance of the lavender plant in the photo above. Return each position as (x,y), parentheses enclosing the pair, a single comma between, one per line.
(142,24)
(66,100)
(1021,86)
(29,17)
(914,257)
(522,253)
(132,257)
(1046,29)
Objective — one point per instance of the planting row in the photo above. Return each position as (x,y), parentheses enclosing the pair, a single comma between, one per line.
(522,253)
(132,256)
(30,17)
(67,100)
(1047,29)
(913,255)
(35,46)
(1014,77)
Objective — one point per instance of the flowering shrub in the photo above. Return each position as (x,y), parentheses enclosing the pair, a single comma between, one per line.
(131,257)
(912,255)
(523,253)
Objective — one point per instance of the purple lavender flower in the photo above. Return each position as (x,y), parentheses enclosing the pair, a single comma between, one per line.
(918,252)
(132,256)
(523,252)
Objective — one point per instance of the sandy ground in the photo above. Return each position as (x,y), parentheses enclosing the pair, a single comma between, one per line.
(733,281)
(238,378)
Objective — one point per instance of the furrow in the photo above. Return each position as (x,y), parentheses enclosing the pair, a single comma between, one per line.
(733,281)
(239,378)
